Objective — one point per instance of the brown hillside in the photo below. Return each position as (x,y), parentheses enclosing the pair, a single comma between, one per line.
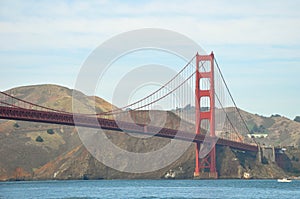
(19,148)
(59,153)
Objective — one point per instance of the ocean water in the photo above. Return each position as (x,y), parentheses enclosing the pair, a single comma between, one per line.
(148,189)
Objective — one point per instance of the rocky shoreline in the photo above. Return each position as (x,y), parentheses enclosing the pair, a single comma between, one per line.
(231,164)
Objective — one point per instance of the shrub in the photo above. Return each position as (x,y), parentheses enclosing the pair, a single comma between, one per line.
(50,131)
(297,119)
(260,129)
(16,125)
(276,115)
(39,139)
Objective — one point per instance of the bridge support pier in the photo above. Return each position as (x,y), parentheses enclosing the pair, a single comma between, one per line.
(206,167)
(205,113)
(268,153)
(259,154)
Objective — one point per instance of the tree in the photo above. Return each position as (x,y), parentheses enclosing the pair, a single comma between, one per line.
(260,129)
(254,129)
(50,131)
(297,119)
(39,139)
(276,115)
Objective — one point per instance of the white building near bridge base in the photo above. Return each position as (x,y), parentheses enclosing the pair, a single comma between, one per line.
(257,135)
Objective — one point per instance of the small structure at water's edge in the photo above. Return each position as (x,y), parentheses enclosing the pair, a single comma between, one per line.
(247,175)
(170,174)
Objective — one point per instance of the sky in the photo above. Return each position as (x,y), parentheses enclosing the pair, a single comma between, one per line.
(256,43)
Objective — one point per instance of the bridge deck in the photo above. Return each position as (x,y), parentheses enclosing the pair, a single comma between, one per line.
(109,124)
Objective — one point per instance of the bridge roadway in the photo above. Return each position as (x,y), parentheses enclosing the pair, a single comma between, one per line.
(82,120)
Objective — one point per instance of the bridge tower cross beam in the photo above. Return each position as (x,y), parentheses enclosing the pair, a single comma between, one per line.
(209,161)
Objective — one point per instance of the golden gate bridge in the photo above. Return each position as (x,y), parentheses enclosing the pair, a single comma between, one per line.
(209,109)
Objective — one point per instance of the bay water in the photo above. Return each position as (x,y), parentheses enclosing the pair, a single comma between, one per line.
(148,189)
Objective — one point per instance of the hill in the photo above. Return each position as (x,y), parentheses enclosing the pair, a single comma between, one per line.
(43,151)
(280,130)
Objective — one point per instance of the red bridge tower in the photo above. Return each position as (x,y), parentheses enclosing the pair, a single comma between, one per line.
(207,163)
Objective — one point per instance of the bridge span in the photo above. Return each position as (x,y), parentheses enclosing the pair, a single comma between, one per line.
(13,113)
(211,103)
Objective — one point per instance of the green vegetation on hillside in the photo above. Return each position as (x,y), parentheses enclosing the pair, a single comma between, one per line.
(297,119)
(257,129)
(39,139)
(260,129)
(50,131)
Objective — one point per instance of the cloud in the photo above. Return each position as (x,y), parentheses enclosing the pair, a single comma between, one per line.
(64,24)
(256,42)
